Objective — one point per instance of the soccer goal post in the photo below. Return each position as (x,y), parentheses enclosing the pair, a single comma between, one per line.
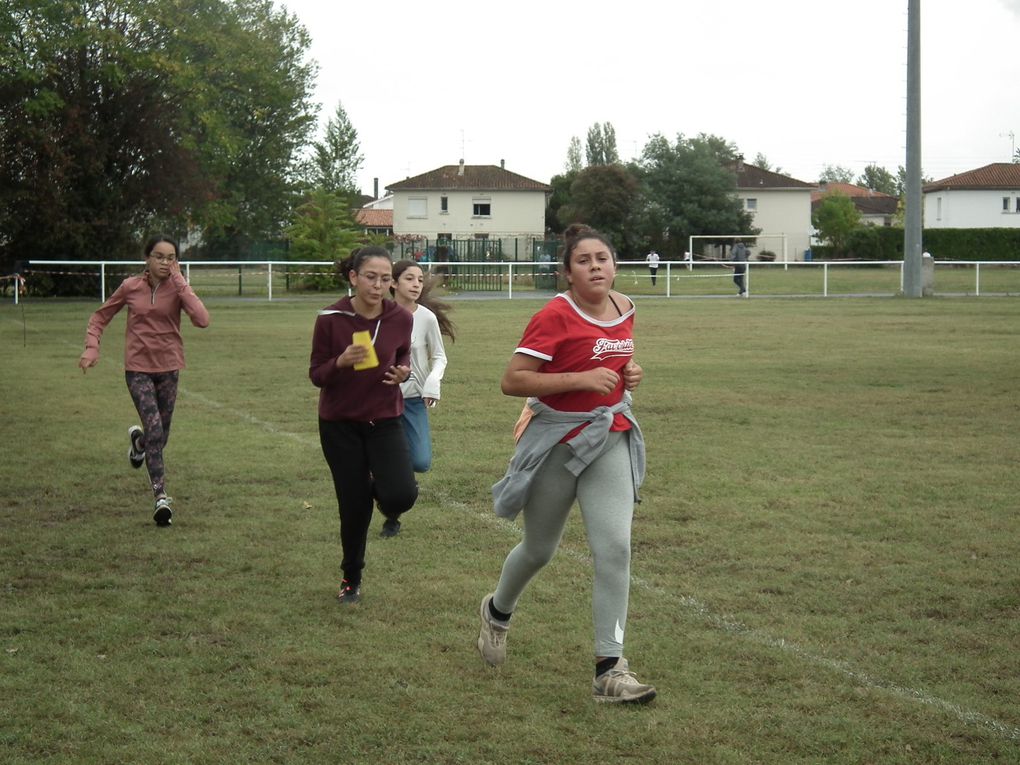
(756,244)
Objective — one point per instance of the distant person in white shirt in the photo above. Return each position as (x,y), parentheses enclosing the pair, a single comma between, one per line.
(653,264)
(428,363)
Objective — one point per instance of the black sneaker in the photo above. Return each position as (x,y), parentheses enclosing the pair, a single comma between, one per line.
(349,593)
(135,455)
(163,513)
(390,528)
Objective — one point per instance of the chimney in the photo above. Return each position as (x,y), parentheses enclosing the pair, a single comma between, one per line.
(461,170)
(502,164)
(740,163)
(375,188)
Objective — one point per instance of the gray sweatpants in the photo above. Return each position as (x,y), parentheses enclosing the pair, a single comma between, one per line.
(605,493)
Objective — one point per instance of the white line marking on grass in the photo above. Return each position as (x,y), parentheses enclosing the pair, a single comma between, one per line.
(695,606)
(733,627)
(301,438)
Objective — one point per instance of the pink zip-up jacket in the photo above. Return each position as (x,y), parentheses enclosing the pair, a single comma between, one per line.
(152,340)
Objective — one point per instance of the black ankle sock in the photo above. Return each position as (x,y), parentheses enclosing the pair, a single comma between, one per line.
(497,614)
(601,667)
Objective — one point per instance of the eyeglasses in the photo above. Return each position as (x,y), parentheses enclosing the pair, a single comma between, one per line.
(383,279)
(163,258)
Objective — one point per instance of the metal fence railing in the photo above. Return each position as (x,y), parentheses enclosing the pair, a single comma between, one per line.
(272,279)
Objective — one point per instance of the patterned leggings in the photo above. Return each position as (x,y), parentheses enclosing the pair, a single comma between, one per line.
(154,394)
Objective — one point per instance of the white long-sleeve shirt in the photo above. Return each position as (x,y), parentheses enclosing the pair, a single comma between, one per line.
(428,356)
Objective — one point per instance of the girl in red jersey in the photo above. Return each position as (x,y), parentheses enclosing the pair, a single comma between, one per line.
(360,404)
(575,363)
(153,355)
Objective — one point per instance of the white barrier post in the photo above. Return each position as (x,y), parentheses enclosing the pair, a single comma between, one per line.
(102,282)
(667,278)
(977,279)
(510,280)
(269,268)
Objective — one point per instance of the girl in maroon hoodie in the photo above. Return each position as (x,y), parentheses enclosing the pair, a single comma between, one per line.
(153,354)
(359,408)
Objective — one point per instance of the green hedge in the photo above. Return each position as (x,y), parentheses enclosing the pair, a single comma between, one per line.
(881,243)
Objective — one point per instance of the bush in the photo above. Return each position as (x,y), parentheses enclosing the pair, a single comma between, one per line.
(886,243)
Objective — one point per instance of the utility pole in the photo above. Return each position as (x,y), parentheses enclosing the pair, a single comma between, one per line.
(912,286)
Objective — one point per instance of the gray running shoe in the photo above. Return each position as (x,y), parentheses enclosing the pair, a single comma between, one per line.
(620,686)
(492,637)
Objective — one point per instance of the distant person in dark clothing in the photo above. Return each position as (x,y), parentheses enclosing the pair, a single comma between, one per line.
(739,258)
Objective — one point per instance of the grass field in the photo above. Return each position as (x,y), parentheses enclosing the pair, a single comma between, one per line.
(825,561)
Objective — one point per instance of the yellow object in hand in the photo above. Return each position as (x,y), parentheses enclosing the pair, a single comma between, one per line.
(363,338)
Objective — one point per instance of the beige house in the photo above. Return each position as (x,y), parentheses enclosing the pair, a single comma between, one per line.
(780,206)
(499,211)
(988,197)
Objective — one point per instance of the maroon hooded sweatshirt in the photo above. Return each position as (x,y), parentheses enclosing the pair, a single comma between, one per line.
(362,396)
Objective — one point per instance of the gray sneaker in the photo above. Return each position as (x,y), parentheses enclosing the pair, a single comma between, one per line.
(492,637)
(135,456)
(620,686)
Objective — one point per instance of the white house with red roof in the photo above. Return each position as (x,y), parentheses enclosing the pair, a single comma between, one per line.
(478,202)
(988,197)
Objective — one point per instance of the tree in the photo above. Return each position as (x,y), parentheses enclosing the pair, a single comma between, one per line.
(559,197)
(601,147)
(760,160)
(688,187)
(604,197)
(835,218)
(120,117)
(1016,157)
(575,162)
(836,174)
(879,179)
(323,227)
(337,158)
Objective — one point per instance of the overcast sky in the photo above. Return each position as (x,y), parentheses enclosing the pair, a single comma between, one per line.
(806,83)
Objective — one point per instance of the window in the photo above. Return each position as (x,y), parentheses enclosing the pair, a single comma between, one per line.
(481,208)
(1018,204)
(417,207)
(444,204)
(751,204)
(938,208)
(1005,204)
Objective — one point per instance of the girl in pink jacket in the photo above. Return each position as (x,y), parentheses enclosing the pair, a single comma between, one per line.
(153,354)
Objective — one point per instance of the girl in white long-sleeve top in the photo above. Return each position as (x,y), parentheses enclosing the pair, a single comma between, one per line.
(428,363)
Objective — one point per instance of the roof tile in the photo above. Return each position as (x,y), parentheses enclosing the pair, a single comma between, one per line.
(474,178)
(998,175)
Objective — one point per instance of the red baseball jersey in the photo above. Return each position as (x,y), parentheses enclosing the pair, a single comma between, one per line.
(568,340)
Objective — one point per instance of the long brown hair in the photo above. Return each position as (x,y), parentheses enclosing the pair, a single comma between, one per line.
(438,307)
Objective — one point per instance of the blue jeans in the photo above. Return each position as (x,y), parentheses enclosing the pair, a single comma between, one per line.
(419,437)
